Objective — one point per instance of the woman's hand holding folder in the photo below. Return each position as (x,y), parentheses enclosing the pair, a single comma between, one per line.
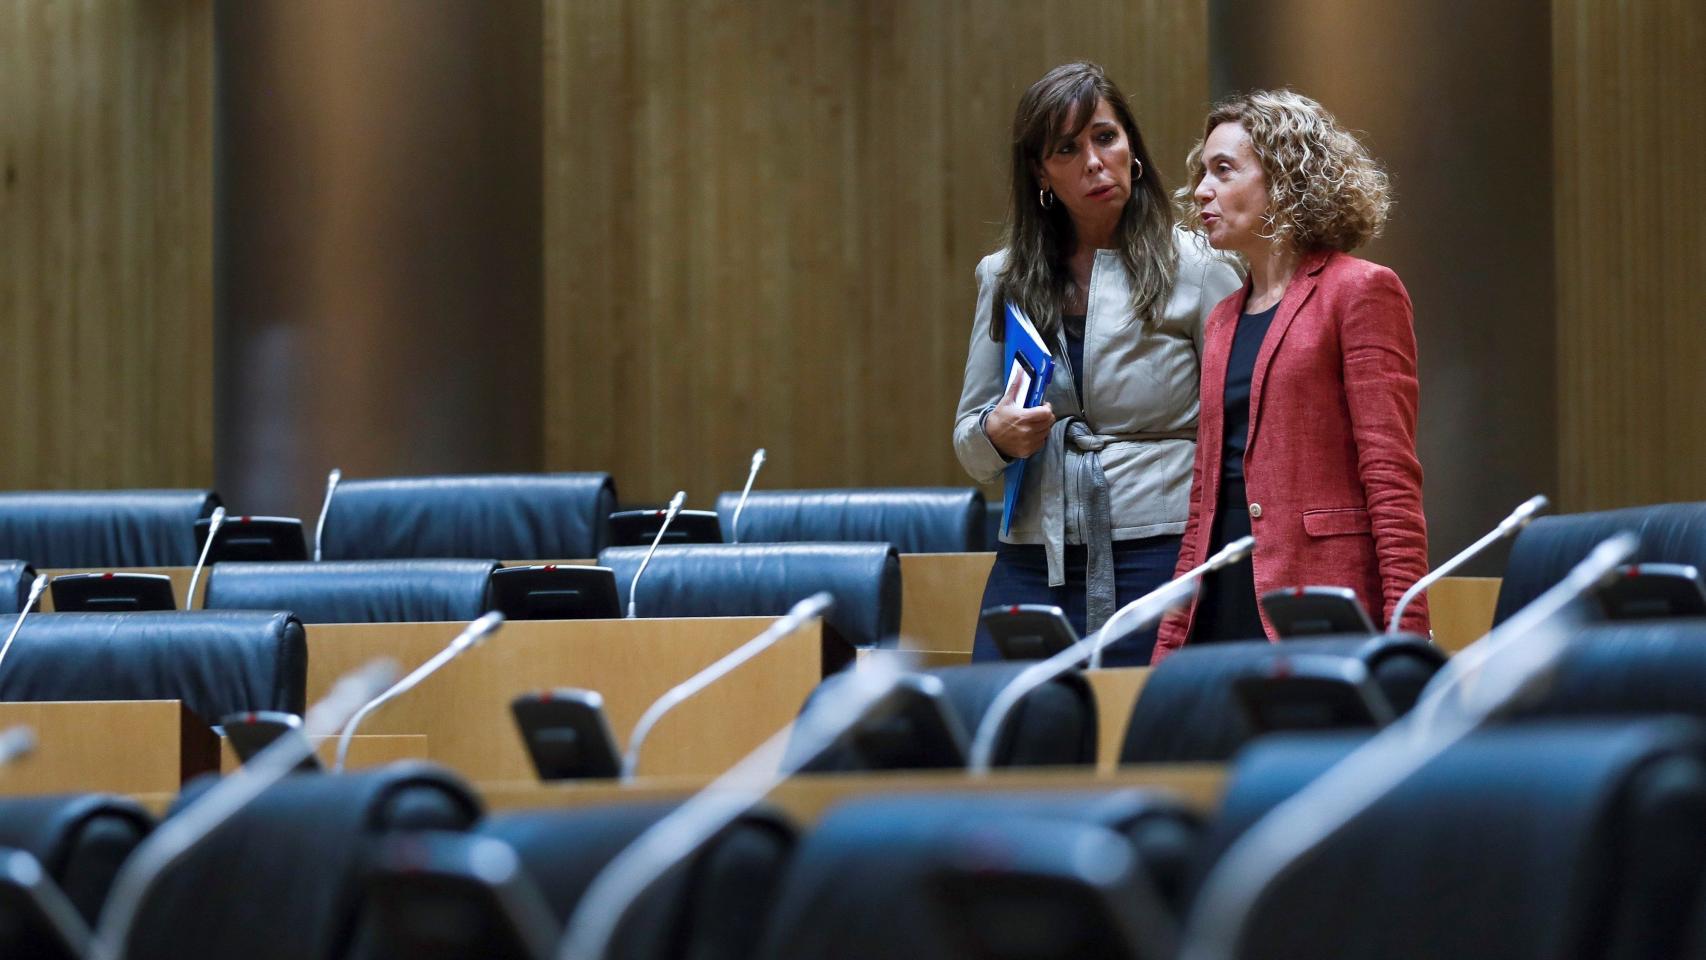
(1016,430)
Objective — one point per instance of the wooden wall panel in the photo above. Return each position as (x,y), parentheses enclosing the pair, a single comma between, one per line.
(1630,127)
(762,219)
(106,288)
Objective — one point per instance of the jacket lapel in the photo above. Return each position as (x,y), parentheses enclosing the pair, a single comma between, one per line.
(1302,285)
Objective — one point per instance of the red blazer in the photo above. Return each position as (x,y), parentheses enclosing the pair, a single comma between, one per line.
(1330,469)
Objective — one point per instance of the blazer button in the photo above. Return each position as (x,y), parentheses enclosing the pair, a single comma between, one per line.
(1255,511)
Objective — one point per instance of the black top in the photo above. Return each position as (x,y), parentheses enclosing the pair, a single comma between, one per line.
(1240,366)
(1072,324)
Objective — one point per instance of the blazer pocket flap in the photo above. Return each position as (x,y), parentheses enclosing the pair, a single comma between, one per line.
(1336,523)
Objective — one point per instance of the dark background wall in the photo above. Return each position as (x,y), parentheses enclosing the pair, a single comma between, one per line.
(378,235)
(1454,97)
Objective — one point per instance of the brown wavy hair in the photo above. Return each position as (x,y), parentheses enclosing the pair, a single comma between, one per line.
(1324,190)
(1039,242)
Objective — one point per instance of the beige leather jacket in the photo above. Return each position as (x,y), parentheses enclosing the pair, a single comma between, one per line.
(1140,403)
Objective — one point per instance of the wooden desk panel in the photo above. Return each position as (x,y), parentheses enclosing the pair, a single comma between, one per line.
(1116,691)
(1461,610)
(940,596)
(365,750)
(464,709)
(116,746)
(806,798)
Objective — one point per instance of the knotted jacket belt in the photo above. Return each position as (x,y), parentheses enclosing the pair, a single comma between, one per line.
(1072,460)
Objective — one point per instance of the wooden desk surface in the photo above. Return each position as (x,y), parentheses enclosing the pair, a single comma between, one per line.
(365,750)
(463,710)
(109,746)
(806,798)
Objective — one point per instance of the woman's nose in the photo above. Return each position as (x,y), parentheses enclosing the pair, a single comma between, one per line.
(1203,193)
(1094,159)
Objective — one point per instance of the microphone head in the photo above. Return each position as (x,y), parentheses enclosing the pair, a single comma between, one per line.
(758,458)
(16,742)
(333,478)
(214,521)
(1528,510)
(676,501)
(37,586)
(479,630)
(815,605)
(1232,553)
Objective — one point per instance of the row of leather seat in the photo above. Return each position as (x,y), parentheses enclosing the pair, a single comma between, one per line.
(1536,840)
(546,516)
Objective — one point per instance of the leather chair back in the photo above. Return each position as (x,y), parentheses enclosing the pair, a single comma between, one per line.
(714,909)
(1188,712)
(16,576)
(216,662)
(80,840)
(913,519)
(1632,668)
(1560,841)
(1549,546)
(356,591)
(1053,726)
(282,879)
(103,528)
(864,882)
(765,579)
(516,516)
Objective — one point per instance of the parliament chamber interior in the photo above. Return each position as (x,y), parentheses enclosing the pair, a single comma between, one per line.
(484,481)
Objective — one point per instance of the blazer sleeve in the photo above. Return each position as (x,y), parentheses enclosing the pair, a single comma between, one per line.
(981,387)
(1378,339)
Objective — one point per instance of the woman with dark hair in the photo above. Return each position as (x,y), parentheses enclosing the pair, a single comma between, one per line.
(1309,393)
(1119,295)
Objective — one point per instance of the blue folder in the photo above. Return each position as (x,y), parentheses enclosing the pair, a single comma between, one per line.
(1022,345)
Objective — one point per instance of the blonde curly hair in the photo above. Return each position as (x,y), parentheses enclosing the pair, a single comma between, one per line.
(1324,190)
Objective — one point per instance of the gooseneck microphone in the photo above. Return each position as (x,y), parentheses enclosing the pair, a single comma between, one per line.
(1503,666)
(36,587)
(332,481)
(669,513)
(16,742)
(1139,613)
(217,521)
(867,698)
(178,835)
(1510,525)
(470,637)
(751,475)
(802,613)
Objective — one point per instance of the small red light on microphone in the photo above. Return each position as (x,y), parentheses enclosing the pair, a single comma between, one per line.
(106,576)
(1297,591)
(545,696)
(244,519)
(550,566)
(1013,609)
(1634,570)
(248,718)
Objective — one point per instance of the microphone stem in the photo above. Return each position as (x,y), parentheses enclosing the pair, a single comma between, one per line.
(36,587)
(751,475)
(634,584)
(201,561)
(332,481)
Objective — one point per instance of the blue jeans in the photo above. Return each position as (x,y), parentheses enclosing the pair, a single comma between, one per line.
(1020,575)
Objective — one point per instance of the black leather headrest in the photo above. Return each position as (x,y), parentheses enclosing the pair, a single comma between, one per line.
(216,662)
(1054,725)
(765,580)
(914,519)
(513,516)
(1557,841)
(81,840)
(1549,546)
(1626,669)
(861,884)
(1187,711)
(103,528)
(281,879)
(16,576)
(356,591)
(713,910)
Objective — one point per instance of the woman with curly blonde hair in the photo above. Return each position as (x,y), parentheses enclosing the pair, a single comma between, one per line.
(1308,431)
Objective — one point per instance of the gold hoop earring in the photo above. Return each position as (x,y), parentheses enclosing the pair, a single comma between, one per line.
(1045,198)
(1137,174)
